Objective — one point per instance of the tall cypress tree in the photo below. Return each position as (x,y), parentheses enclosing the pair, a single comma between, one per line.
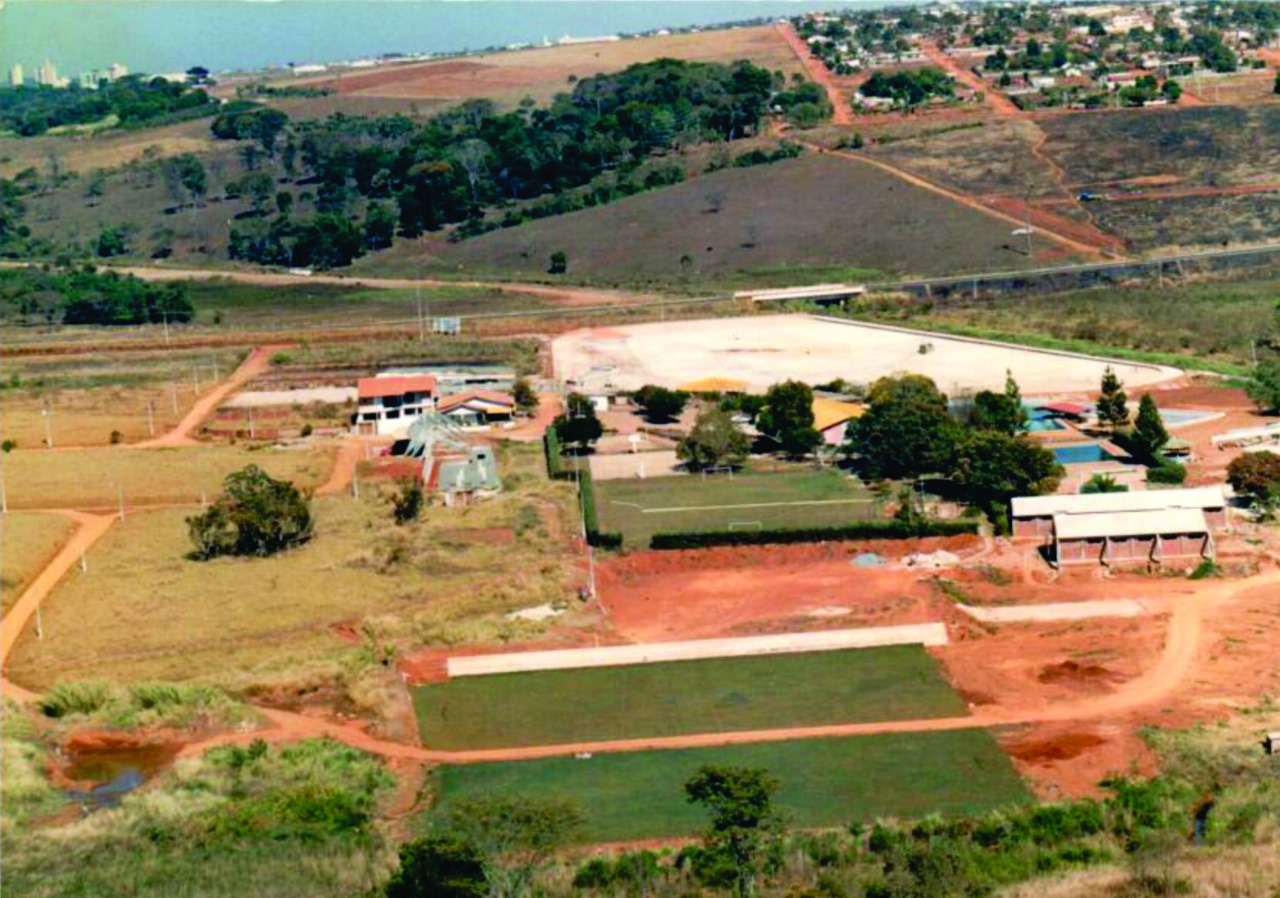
(1113,404)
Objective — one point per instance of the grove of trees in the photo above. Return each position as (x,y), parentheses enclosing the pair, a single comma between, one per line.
(85,296)
(256,515)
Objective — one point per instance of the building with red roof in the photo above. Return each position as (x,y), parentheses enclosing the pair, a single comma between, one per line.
(388,404)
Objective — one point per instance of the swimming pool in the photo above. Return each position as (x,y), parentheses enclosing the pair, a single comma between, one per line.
(1081,453)
(1039,421)
(1176,417)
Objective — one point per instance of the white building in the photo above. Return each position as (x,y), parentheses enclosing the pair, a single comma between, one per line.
(16,76)
(387,405)
(47,75)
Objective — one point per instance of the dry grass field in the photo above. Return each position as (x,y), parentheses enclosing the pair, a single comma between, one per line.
(89,397)
(815,210)
(543,72)
(106,150)
(144,611)
(93,478)
(27,541)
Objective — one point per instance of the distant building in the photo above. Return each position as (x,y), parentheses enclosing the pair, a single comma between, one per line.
(89,80)
(47,75)
(387,405)
(116,72)
(16,76)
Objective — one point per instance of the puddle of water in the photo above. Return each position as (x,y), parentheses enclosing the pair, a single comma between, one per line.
(113,772)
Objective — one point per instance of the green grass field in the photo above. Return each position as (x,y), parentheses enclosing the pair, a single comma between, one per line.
(824,782)
(715,695)
(640,508)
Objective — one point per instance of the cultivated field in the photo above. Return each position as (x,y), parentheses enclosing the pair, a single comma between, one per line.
(96,478)
(814,210)
(640,508)
(824,782)
(145,611)
(764,350)
(27,542)
(718,695)
(543,72)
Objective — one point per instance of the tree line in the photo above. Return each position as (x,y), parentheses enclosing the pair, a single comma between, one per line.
(133,100)
(464,162)
(87,296)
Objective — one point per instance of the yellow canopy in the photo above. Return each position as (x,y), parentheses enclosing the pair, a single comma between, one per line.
(714,385)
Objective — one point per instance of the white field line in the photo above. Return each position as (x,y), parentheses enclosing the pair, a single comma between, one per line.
(695,649)
(1057,611)
(749,505)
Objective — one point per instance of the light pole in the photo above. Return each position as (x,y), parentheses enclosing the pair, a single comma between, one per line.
(47,414)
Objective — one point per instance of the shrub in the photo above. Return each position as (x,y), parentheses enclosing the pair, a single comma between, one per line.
(407,501)
(594,536)
(1170,472)
(75,698)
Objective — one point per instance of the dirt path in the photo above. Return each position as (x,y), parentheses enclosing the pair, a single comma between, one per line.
(258,361)
(1074,244)
(841,113)
(344,467)
(91,528)
(1185,192)
(568,296)
(1001,104)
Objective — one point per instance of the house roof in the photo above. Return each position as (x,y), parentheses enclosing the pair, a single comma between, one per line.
(828,413)
(476,397)
(1113,503)
(377,387)
(1129,523)
(715,385)
(1066,408)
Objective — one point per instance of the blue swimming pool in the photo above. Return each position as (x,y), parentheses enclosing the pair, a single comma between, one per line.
(1081,453)
(1038,420)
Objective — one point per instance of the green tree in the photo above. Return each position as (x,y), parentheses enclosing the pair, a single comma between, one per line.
(660,403)
(1113,404)
(523,395)
(284,202)
(1149,435)
(113,241)
(740,801)
(379,226)
(256,515)
(438,866)
(258,186)
(559,262)
(907,429)
(714,441)
(787,417)
(578,426)
(1256,476)
(994,467)
(996,411)
(1264,386)
(514,836)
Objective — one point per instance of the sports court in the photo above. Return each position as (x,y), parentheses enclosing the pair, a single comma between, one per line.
(765,349)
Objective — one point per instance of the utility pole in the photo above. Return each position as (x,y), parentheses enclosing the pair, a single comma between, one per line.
(4,497)
(173,395)
(120,501)
(151,417)
(47,414)
(164,314)
(251,433)
(39,624)
(195,378)
(84,563)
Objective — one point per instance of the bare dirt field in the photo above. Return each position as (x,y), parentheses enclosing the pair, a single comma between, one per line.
(543,72)
(815,210)
(763,350)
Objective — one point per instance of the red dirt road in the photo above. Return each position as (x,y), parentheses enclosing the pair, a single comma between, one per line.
(257,362)
(993,97)
(91,528)
(841,113)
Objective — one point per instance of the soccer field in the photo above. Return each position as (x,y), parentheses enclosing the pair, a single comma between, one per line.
(717,695)
(824,782)
(640,508)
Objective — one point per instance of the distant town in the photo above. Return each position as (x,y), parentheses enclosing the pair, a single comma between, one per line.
(46,75)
